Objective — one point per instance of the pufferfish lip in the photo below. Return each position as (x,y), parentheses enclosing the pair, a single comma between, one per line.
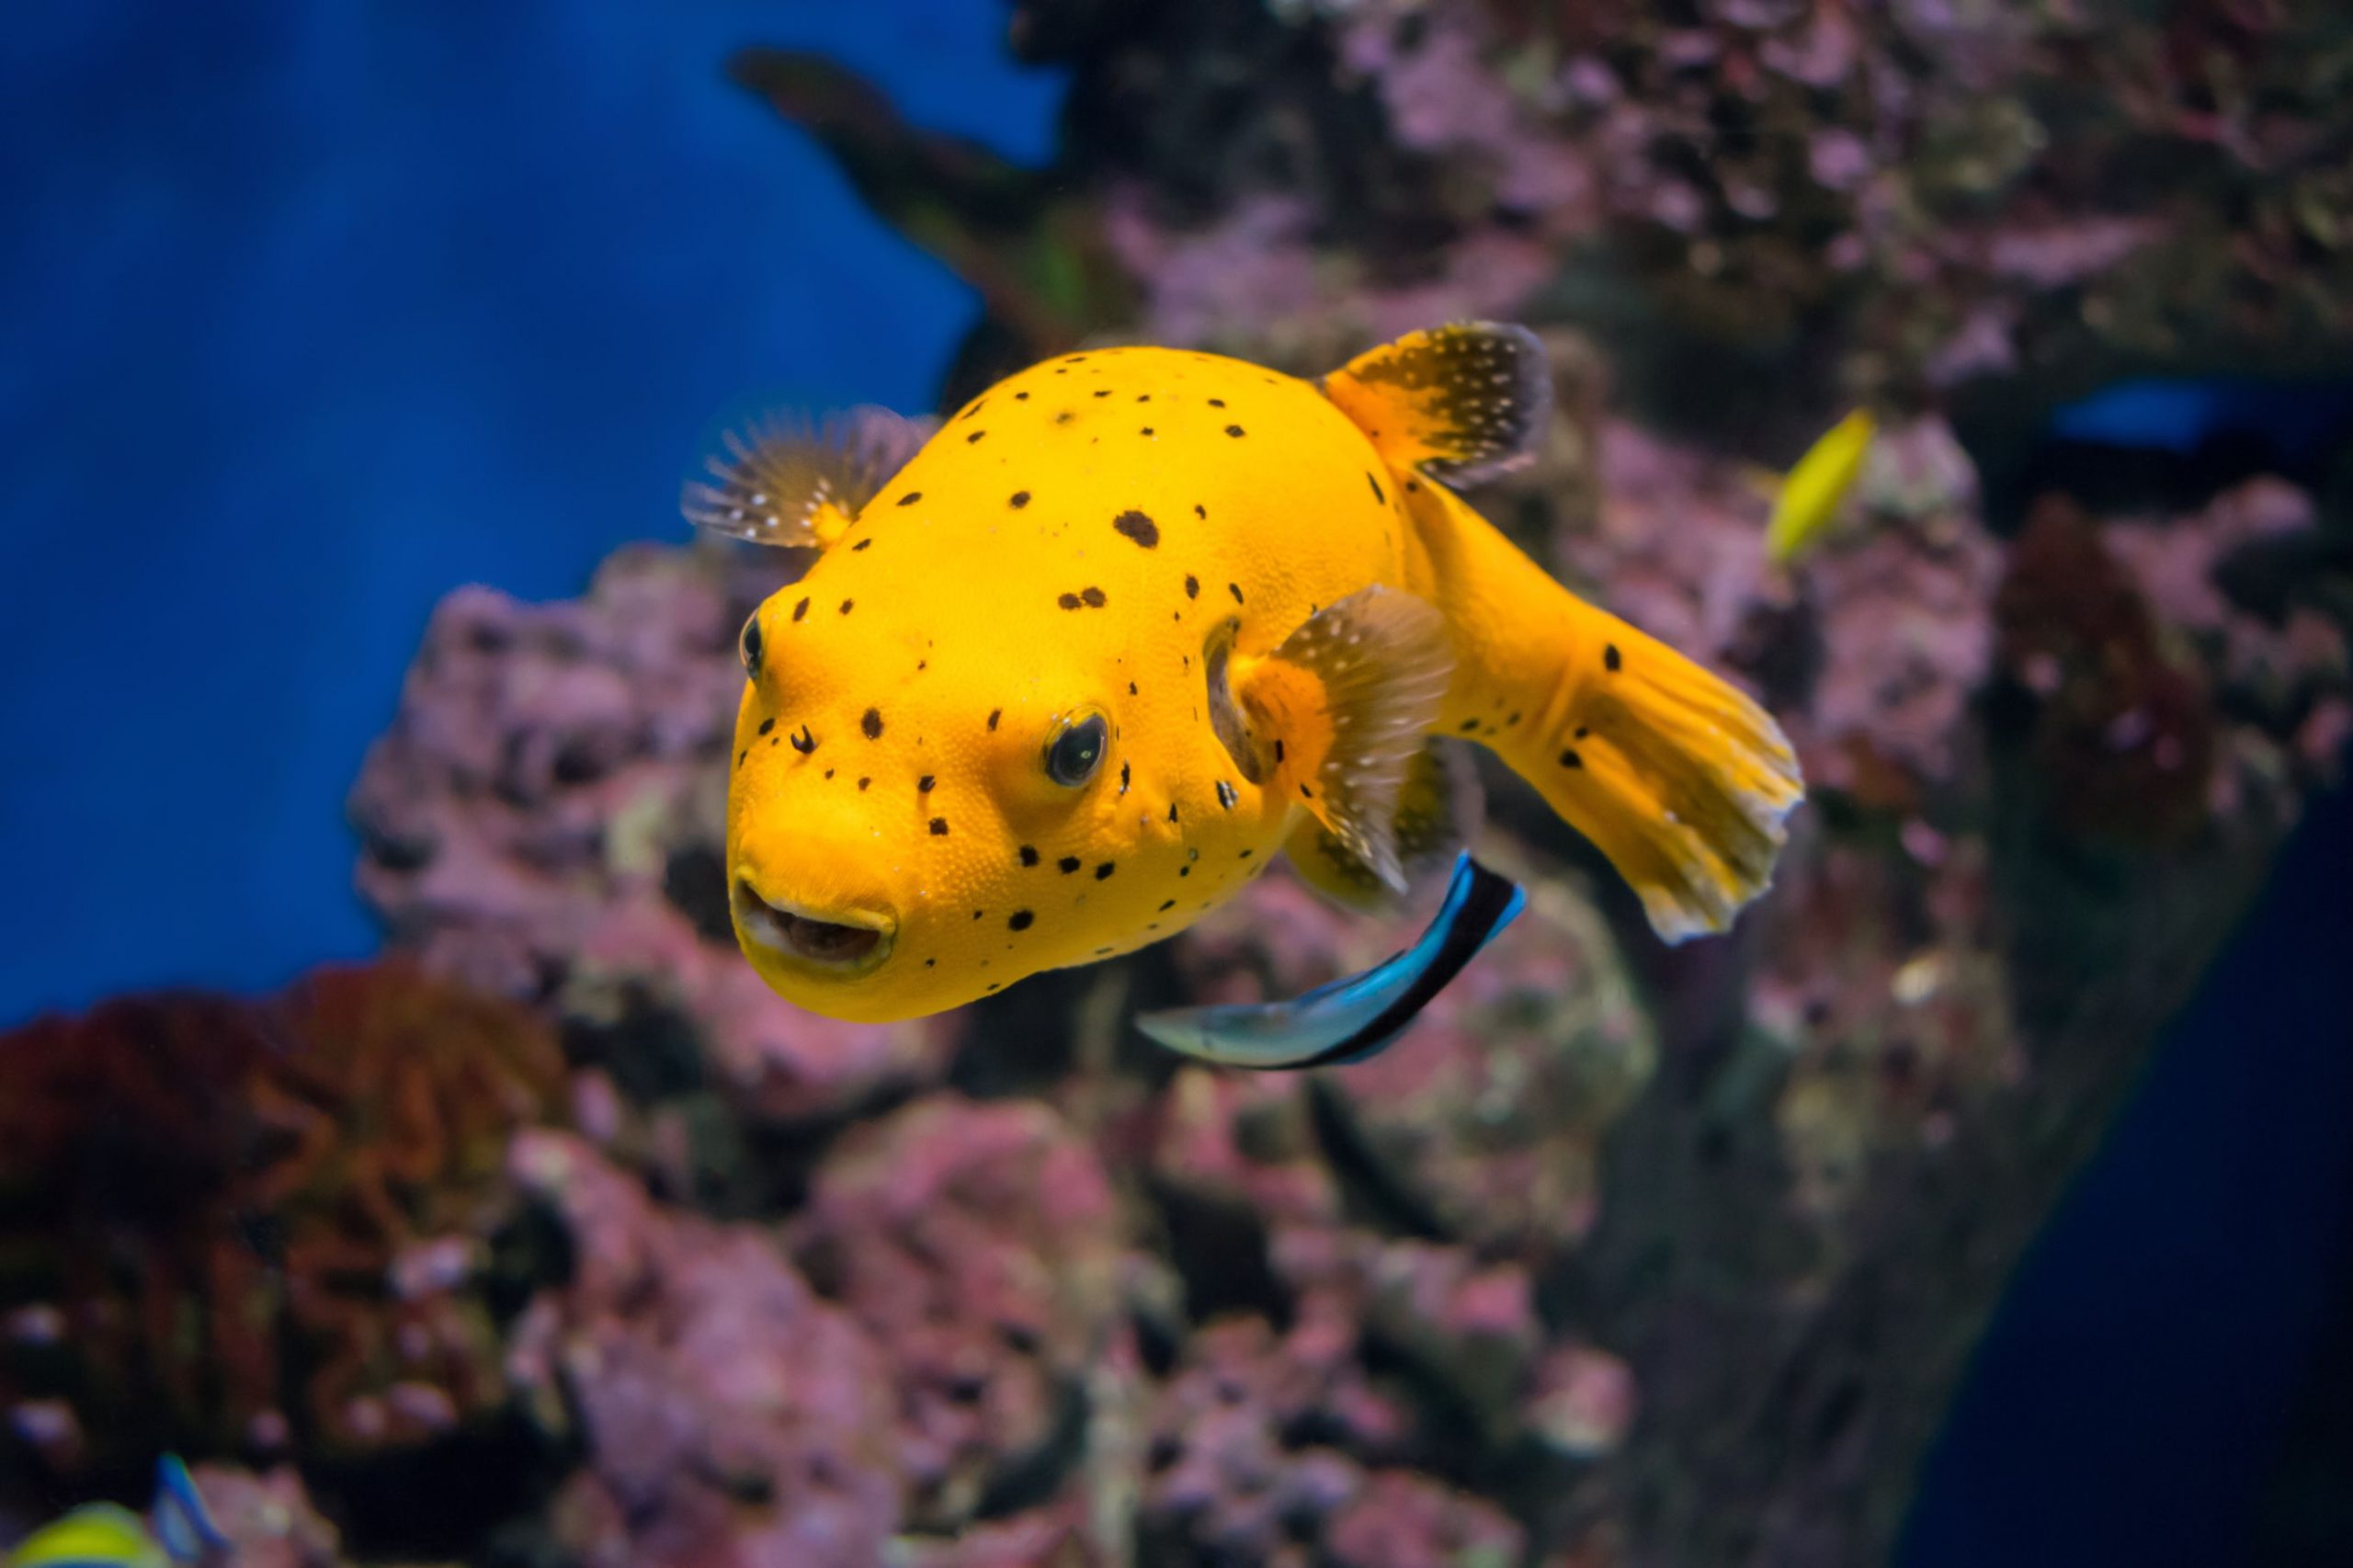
(839,943)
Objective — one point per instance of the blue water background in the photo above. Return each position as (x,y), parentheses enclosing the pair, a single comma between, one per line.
(309,311)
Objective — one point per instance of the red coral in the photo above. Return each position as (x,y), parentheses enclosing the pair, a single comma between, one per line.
(212,1209)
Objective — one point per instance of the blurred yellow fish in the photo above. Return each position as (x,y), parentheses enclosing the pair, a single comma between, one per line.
(1809,501)
(106,1535)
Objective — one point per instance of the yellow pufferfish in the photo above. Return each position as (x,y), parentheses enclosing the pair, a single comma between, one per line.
(1134,621)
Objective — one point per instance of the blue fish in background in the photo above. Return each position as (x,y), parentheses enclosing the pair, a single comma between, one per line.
(1357,1015)
(178,1532)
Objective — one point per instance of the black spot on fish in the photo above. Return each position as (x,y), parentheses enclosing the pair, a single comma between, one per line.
(1019,920)
(995,714)
(766,724)
(829,773)
(1279,748)
(976,408)
(1609,659)
(1029,854)
(1246,854)
(975,436)
(978,913)
(864,782)
(847,604)
(1234,430)
(1139,527)
(1104,392)
(1145,431)
(1514,719)
(1184,871)
(1376,488)
(1200,511)
(1067,864)
(1078,358)
(1235,589)
(1469,725)
(1414,485)
(1021,397)
(1123,779)
(872,724)
(804,743)
(1172,811)
(741,757)
(1193,586)
(940,827)
(923,784)
(929,963)
(1167,907)
(1226,795)
(1105,869)
(1094,597)
(1583,732)
(861,544)
(1217,402)
(1144,397)
(1064,417)
(1569,758)
(1068,601)
(800,609)
(911,497)
(1132,688)
(1019,499)
(1305,793)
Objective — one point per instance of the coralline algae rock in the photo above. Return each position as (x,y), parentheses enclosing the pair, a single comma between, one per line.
(982,1246)
(732,1415)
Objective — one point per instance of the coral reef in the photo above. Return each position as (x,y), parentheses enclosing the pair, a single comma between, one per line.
(261,1227)
(1628,1255)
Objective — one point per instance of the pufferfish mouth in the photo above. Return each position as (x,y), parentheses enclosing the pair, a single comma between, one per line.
(838,942)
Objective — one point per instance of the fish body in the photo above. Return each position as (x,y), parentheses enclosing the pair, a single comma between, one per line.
(1811,499)
(106,1535)
(1135,621)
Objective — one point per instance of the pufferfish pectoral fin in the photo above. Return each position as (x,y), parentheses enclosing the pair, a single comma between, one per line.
(786,481)
(1349,1019)
(1347,698)
(1439,806)
(1471,400)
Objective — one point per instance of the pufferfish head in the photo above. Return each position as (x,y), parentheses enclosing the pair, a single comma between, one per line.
(920,817)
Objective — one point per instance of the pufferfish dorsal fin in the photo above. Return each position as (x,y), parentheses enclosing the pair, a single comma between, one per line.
(1470,400)
(1346,699)
(791,481)
(1439,807)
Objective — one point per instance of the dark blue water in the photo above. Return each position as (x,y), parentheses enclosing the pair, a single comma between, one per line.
(314,310)
(310,311)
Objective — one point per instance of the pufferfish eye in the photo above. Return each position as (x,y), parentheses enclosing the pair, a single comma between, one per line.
(748,645)
(1074,755)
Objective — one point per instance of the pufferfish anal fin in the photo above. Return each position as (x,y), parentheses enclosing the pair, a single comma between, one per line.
(1439,807)
(790,481)
(1349,1019)
(1470,400)
(1346,699)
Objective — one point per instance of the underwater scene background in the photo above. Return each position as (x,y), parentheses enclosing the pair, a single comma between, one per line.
(389,1124)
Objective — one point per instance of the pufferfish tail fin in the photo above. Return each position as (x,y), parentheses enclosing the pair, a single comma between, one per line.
(1677,777)
(789,481)
(1470,400)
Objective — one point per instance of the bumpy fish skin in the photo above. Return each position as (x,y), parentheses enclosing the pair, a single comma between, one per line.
(1136,534)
